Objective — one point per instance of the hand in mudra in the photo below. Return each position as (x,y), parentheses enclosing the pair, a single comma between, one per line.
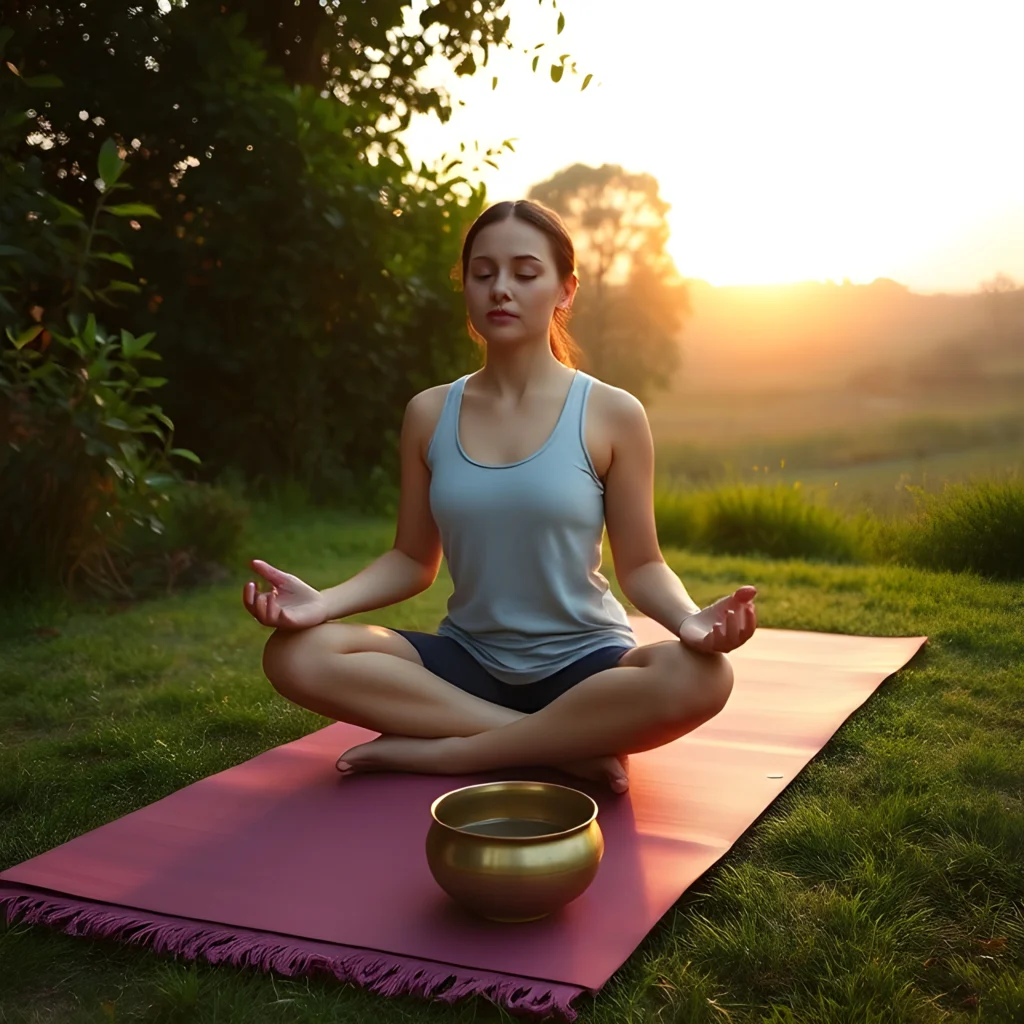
(724,625)
(291,604)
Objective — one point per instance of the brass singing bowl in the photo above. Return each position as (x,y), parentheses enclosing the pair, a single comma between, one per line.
(514,851)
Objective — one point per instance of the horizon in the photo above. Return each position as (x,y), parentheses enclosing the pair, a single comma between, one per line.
(782,160)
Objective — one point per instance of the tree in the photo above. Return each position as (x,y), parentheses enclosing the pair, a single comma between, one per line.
(1000,291)
(631,301)
(298,275)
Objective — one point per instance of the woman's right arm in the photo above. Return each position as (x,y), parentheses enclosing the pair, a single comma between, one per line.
(411,565)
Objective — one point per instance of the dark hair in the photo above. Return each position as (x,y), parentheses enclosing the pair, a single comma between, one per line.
(564,348)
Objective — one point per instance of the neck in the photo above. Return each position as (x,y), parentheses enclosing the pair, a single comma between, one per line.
(514,370)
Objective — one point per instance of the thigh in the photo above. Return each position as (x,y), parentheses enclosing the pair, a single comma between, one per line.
(681,672)
(450,661)
(291,650)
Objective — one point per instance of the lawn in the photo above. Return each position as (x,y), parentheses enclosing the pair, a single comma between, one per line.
(886,883)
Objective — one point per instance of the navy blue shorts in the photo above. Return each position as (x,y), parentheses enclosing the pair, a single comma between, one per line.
(451,661)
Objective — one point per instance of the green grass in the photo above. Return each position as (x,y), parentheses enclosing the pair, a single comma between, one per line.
(884,884)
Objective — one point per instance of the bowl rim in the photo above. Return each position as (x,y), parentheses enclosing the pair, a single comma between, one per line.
(515,839)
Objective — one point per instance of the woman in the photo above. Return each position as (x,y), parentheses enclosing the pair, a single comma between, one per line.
(511,473)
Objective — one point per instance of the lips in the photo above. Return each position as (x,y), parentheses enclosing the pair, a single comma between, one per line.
(501,315)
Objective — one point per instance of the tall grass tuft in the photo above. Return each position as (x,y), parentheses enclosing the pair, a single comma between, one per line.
(749,519)
(977,526)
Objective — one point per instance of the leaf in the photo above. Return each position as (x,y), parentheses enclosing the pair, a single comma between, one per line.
(11,250)
(129,344)
(115,257)
(123,286)
(21,340)
(494,83)
(186,454)
(13,119)
(89,331)
(561,23)
(556,72)
(43,82)
(110,164)
(160,481)
(132,210)
(153,382)
(534,62)
(68,214)
(586,82)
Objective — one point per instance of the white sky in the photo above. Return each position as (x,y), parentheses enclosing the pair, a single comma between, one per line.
(795,140)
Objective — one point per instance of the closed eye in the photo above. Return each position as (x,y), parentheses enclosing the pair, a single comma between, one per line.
(519,277)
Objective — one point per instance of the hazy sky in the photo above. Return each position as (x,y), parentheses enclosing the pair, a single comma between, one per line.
(794,140)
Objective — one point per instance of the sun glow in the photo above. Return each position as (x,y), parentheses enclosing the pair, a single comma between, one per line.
(794,141)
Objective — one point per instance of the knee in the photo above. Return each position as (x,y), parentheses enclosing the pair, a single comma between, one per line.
(702,689)
(286,658)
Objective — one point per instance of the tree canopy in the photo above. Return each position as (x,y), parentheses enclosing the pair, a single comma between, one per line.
(297,275)
(631,302)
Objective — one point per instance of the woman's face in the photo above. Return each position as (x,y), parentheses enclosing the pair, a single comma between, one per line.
(512,286)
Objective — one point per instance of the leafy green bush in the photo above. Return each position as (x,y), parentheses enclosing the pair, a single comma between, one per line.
(80,470)
(77,467)
(299,276)
(202,529)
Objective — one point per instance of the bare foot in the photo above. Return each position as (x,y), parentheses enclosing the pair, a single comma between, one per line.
(389,753)
(439,757)
(613,770)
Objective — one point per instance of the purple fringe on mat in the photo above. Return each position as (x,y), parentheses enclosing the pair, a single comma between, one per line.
(383,973)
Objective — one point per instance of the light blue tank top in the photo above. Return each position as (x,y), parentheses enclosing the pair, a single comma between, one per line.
(523,546)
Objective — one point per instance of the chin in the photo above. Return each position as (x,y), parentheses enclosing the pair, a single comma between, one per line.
(501,333)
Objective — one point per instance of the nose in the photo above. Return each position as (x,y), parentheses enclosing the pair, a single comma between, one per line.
(499,286)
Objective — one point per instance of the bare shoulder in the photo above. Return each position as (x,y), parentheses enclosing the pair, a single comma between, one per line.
(619,413)
(616,422)
(423,411)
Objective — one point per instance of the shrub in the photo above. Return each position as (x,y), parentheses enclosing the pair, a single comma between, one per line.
(977,527)
(80,470)
(203,527)
(752,519)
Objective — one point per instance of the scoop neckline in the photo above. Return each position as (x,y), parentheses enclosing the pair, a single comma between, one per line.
(509,465)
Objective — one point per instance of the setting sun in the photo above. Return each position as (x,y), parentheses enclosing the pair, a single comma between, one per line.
(793,141)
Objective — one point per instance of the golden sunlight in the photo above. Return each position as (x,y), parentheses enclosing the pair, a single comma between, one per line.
(794,141)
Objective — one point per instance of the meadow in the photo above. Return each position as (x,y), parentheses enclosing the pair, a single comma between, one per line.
(859,450)
(885,883)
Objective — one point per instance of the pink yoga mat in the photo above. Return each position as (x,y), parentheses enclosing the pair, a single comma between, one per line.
(281,863)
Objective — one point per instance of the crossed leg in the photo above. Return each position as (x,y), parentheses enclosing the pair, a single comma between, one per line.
(373,677)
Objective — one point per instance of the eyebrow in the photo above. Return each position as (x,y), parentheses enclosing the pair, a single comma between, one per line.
(525,256)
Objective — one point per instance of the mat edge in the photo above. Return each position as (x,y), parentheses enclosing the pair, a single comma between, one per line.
(379,972)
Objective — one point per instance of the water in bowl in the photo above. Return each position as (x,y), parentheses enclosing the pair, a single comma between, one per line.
(511,828)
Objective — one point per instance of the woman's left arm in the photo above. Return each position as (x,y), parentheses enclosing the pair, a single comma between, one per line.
(645,578)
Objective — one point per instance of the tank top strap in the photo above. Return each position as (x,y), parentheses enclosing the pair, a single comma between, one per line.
(446,430)
(571,440)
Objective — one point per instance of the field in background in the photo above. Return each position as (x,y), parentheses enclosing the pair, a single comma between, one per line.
(862,448)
